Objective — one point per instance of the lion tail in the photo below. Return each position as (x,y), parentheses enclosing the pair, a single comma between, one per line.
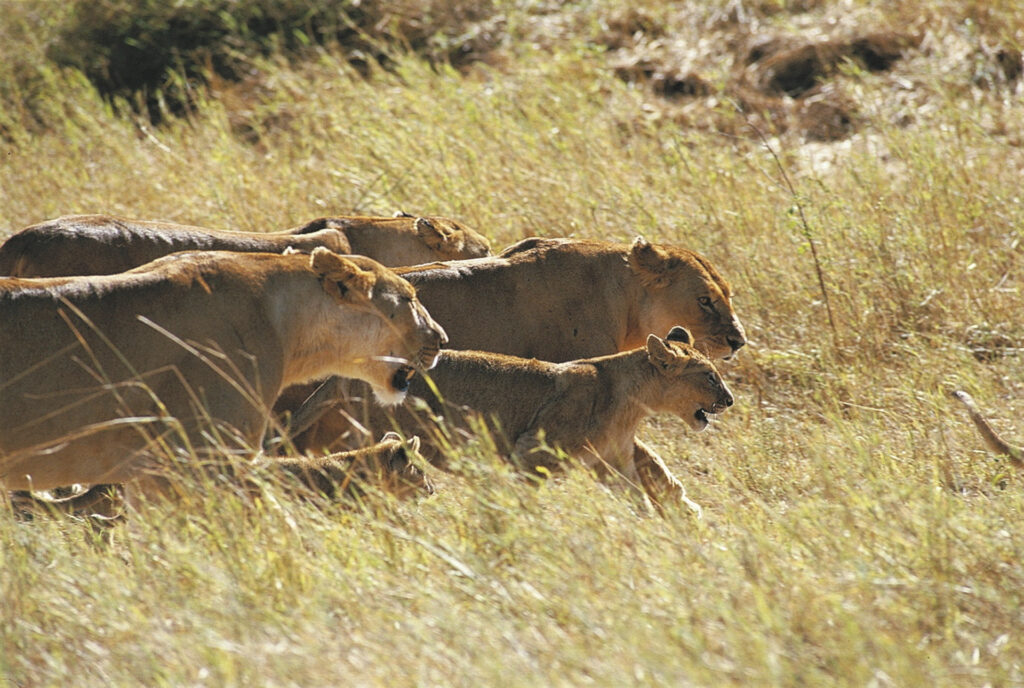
(993,440)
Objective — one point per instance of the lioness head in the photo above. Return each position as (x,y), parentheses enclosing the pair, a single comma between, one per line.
(450,239)
(406,330)
(691,388)
(683,287)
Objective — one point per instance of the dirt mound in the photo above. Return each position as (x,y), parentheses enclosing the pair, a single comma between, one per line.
(796,70)
(785,82)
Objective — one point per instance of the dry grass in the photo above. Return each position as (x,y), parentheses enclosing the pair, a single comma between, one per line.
(855,531)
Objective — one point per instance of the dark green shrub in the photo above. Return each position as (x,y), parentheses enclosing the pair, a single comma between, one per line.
(139,48)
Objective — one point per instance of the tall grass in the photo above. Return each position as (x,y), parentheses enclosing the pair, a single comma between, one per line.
(854,530)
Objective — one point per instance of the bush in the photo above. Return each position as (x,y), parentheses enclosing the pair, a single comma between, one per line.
(139,49)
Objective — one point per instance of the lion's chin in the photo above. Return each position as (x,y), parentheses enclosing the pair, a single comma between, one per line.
(398,386)
(388,397)
(699,420)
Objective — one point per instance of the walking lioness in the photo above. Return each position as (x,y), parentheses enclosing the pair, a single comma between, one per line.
(562,299)
(104,245)
(589,408)
(101,375)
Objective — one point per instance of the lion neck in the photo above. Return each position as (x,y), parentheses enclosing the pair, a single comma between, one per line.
(633,389)
(607,287)
(389,241)
(309,334)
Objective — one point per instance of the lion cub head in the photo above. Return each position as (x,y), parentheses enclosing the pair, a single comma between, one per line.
(394,466)
(689,385)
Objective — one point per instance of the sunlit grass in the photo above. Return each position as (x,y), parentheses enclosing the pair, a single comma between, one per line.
(854,531)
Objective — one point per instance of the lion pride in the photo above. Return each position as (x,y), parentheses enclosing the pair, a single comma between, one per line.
(104,244)
(102,376)
(558,300)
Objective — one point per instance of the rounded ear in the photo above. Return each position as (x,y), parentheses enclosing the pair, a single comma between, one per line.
(649,262)
(391,436)
(432,233)
(680,334)
(341,277)
(290,251)
(657,351)
(414,443)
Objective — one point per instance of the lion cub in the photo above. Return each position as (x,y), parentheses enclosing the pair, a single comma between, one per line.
(388,466)
(589,408)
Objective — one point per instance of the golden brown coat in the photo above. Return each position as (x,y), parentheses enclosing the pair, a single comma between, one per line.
(104,244)
(99,376)
(589,408)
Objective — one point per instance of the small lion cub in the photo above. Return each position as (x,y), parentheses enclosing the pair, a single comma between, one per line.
(589,408)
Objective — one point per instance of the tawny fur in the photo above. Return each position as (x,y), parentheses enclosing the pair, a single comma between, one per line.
(104,244)
(590,408)
(559,300)
(102,376)
(389,466)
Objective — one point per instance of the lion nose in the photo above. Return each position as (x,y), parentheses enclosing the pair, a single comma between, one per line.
(728,400)
(736,343)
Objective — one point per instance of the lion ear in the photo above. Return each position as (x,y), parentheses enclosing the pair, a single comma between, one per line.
(391,436)
(649,262)
(657,352)
(414,443)
(432,234)
(680,334)
(341,277)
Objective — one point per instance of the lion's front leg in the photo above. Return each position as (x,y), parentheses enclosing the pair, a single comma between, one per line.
(660,485)
(531,455)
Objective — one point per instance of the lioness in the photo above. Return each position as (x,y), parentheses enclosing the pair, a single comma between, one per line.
(557,300)
(98,375)
(104,245)
(404,239)
(561,299)
(988,434)
(589,408)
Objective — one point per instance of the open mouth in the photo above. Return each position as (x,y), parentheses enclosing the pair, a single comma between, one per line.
(428,357)
(701,418)
(402,377)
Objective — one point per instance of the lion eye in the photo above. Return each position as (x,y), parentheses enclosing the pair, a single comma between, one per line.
(712,379)
(704,302)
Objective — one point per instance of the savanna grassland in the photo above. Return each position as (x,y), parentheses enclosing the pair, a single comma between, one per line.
(853,168)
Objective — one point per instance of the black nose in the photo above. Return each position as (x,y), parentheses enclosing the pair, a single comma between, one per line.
(736,344)
(728,400)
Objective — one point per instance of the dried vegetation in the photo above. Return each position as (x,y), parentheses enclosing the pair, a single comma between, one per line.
(853,168)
